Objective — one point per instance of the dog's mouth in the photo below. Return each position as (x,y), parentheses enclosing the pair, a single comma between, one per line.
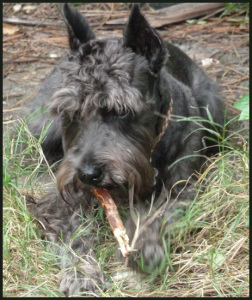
(117,181)
(84,182)
(116,175)
(104,181)
(104,178)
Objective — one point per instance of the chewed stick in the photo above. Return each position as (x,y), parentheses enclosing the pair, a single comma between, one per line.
(114,219)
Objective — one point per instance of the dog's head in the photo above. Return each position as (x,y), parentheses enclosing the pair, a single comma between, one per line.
(107,104)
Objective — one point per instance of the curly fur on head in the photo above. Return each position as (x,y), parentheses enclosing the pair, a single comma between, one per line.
(100,75)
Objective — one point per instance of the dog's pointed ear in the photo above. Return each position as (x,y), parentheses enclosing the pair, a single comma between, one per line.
(79,31)
(143,39)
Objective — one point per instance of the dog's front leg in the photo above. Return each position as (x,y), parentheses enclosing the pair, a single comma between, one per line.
(76,258)
(148,227)
(71,233)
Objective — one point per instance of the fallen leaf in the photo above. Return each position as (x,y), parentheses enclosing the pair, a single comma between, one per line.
(9,29)
(206,62)
(28,8)
(17,7)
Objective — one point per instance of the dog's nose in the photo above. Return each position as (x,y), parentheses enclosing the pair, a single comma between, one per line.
(90,175)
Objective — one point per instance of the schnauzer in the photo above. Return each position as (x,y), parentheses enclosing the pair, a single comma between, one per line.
(130,115)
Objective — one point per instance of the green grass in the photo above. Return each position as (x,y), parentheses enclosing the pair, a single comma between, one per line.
(207,252)
(236,6)
(26,262)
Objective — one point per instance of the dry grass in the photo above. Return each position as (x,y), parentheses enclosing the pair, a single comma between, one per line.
(207,253)
(210,255)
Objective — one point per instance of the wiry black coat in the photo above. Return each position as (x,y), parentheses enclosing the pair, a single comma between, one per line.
(108,101)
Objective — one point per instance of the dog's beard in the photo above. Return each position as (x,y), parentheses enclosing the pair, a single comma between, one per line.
(121,170)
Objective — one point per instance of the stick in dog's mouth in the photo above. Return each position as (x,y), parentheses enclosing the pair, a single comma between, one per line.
(114,219)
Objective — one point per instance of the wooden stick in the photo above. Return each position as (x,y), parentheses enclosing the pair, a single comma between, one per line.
(174,14)
(114,220)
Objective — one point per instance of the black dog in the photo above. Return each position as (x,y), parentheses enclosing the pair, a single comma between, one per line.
(117,109)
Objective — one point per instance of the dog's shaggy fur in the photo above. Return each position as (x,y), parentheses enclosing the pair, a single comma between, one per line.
(109,102)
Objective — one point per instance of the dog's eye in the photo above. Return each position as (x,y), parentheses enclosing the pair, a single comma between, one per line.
(116,115)
(67,120)
(64,117)
(124,114)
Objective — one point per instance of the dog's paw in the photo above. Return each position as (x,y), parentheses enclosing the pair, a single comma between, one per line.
(82,280)
(152,253)
(147,258)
